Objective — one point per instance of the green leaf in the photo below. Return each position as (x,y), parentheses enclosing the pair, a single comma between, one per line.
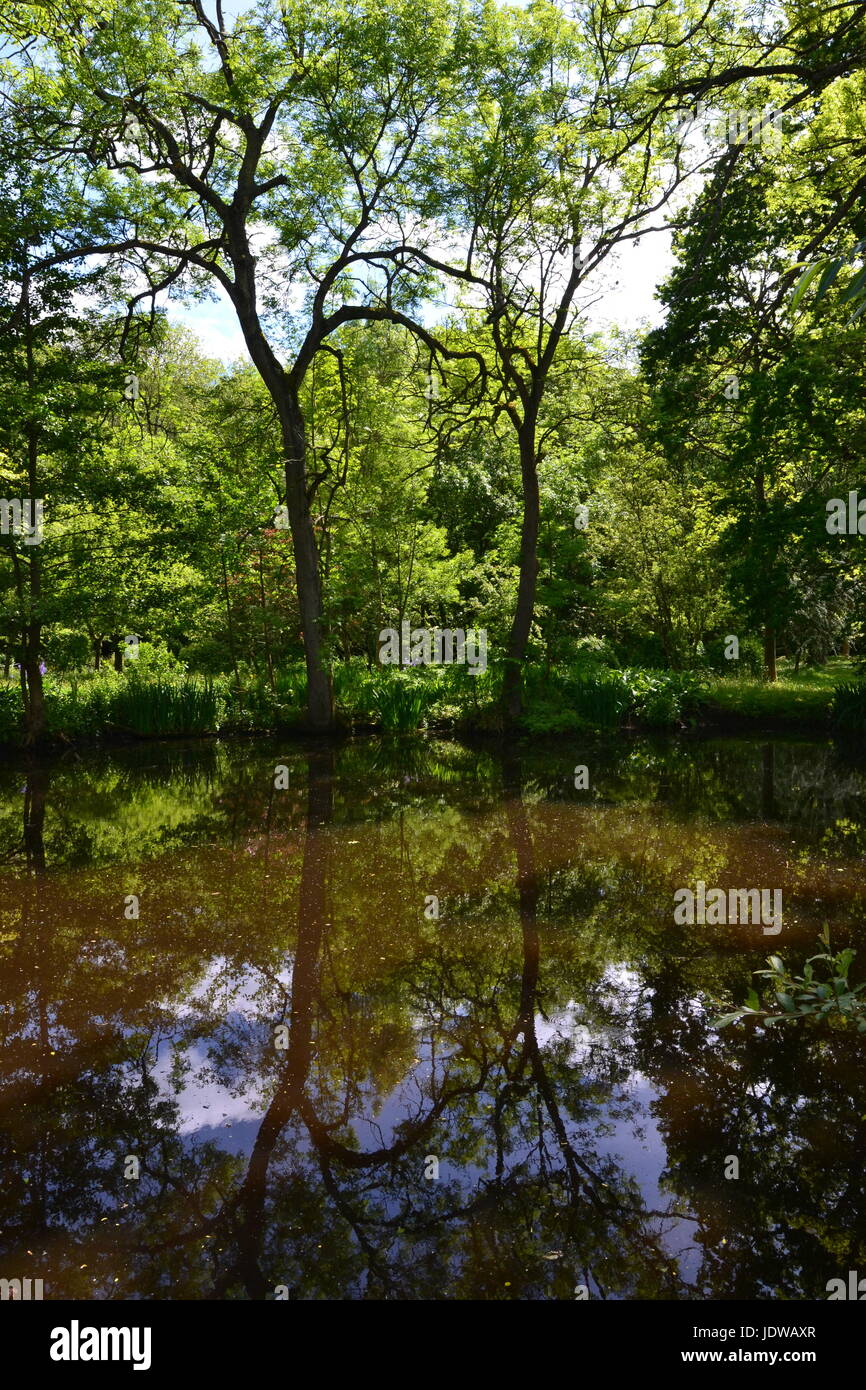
(805,282)
(827,279)
(857,286)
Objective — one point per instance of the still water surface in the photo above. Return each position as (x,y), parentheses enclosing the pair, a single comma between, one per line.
(244,995)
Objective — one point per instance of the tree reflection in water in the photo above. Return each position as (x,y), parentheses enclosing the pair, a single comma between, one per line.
(546,1040)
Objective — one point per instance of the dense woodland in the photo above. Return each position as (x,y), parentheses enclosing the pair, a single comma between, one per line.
(416,210)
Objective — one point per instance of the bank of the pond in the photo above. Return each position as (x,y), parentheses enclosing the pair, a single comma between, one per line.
(126,706)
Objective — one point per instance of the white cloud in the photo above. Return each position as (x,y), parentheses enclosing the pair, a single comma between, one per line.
(215,325)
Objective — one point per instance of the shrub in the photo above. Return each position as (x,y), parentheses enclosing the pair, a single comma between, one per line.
(11,714)
(750,661)
(601,698)
(402,700)
(662,698)
(593,651)
(165,707)
(254,707)
(154,659)
(848,709)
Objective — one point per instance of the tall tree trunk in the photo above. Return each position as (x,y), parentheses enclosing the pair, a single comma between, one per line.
(283,391)
(35,710)
(229,620)
(770,653)
(525,607)
(320,703)
(266,624)
(34,703)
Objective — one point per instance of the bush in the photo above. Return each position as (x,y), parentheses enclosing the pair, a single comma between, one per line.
(750,661)
(593,651)
(254,707)
(154,659)
(354,688)
(592,697)
(601,698)
(662,698)
(641,649)
(399,699)
(11,714)
(165,707)
(848,709)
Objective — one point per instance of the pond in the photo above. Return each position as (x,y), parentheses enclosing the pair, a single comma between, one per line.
(415,1020)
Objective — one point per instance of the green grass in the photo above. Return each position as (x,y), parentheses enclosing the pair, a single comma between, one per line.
(806,696)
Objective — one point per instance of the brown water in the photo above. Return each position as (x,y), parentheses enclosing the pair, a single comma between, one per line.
(328,1092)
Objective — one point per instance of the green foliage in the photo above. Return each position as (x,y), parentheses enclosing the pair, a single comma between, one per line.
(662,698)
(328,127)
(829,268)
(803,996)
(593,697)
(595,651)
(255,706)
(11,714)
(806,696)
(848,710)
(600,698)
(166,708)
(750,661)
(155,659)
(136,705)
(402,701)
(398,700)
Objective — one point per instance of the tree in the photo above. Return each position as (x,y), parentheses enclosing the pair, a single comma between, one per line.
(560,158)
(766,411)
(53,383)
(273,154)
